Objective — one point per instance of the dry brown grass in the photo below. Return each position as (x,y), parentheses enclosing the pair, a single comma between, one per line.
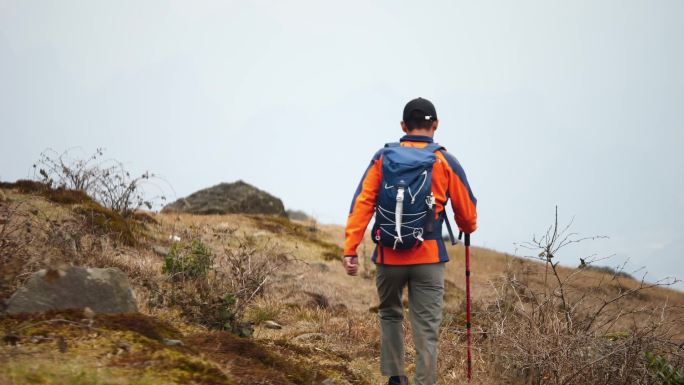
(312,293)
(489,267)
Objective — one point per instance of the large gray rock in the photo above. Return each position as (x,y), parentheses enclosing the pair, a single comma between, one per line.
(228,198)
(102,290)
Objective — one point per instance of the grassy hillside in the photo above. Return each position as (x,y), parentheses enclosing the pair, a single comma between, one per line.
(266,270)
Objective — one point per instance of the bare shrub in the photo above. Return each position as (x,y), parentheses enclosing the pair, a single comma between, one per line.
(248,270)
(105,180)
(61,170)
(13,221)
(573,327)
(121,192)
(217,290)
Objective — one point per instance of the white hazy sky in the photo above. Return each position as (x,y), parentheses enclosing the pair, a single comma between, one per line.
(578,104)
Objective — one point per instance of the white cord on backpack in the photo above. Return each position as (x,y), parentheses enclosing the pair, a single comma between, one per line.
(398,212)
(413,196)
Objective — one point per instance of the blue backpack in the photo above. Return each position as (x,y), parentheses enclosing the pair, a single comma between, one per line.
(405,207)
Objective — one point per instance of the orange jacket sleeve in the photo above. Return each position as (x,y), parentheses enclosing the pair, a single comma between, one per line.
(463,202)
(363,205)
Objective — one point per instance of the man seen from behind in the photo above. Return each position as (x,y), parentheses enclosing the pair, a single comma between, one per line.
(407,186)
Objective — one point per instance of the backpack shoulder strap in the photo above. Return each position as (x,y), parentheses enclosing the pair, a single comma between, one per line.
(433,147)
(382,150)
(444,212)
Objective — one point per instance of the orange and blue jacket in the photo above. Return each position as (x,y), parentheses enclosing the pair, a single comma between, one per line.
(448,182)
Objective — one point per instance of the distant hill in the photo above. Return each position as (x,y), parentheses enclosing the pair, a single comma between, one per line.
(298,215)
(228,198)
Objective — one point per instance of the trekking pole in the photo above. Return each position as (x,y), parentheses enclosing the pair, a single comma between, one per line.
(466,242)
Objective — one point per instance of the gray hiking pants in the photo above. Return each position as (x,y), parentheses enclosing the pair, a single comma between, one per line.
(426,296)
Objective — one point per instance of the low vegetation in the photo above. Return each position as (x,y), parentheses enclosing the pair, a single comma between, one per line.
(212,278)
(205,282)
(663,371)
(216,290)
(574,329)
(188,261)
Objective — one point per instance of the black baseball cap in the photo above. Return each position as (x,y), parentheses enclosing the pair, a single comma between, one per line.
(424,106)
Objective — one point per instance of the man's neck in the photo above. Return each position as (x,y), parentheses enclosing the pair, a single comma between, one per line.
(422,132)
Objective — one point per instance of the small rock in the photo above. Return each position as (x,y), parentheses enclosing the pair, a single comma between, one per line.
(40,339)
(124,346)
(88,313)
(272,325)
(307,337)
(174,238)
(168,342)
(160,250)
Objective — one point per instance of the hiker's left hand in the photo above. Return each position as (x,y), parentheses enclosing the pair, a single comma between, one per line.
(351,264)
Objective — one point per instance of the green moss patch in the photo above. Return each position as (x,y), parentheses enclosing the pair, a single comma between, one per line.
(34,324)
(147,326)
(177,367)
(45,372)
(63,348)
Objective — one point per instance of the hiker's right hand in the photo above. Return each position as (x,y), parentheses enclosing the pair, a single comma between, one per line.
(351,264)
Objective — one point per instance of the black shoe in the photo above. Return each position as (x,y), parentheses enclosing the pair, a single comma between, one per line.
(398,380)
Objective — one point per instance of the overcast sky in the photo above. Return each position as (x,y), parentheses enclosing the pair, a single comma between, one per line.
(578,104)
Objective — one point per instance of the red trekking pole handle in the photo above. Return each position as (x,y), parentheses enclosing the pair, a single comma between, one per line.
(466,242)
